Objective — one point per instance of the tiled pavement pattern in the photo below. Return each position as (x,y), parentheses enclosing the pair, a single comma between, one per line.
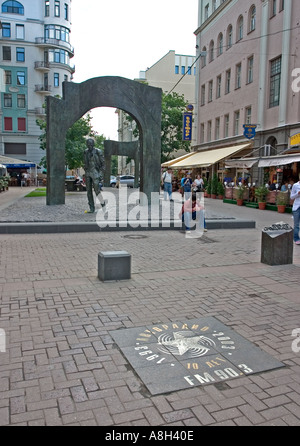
(62,367)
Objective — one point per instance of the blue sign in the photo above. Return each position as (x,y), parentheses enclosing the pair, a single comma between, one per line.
(249,130)
(187,126)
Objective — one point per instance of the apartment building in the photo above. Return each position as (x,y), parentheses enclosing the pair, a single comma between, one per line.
(247,53)
(173,72)
(35,59)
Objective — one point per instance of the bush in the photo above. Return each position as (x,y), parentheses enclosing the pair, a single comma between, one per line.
(261,194)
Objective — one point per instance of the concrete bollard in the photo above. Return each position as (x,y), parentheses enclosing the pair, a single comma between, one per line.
(277,244)
(114,265)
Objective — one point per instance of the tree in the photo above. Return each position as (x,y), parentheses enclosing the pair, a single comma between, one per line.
(173,107)
(75,141)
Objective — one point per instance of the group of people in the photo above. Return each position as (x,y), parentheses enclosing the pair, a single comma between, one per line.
(193,206)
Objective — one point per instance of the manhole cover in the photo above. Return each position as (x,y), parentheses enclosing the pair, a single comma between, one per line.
(135,236)
(175,356)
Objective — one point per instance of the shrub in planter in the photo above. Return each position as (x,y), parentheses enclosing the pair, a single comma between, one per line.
(261,195)
(281,201)
(240,195)
(214,186)
(208,189)
(221,190)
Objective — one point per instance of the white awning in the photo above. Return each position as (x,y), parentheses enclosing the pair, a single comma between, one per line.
(176,160)
(208,157)
(278,160)
(241,163)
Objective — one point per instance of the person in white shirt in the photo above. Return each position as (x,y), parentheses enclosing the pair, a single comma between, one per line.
(167,181)
(295,195)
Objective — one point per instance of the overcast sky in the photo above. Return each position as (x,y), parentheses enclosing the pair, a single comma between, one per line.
(124,37)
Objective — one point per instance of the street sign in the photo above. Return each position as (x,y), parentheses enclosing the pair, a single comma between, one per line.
(187,126)
(249,130)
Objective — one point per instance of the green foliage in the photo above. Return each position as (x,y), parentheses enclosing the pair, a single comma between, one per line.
(221,189)
(208,189)
(261,194)
(75,141)
(173,107)
(240,192)
(214,184)
(282,198)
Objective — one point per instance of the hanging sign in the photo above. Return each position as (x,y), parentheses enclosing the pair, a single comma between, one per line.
(187,126)
(249,130)
(295,140)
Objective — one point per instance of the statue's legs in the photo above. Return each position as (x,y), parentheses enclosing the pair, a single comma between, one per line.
(91,183)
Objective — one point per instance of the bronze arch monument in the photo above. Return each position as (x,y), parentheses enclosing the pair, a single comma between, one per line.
(130,149)
(140,101)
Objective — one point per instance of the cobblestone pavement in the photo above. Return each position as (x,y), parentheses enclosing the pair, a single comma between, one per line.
(61,365)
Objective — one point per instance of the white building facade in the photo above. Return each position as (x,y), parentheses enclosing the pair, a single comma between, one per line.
(35,59)
(247,52)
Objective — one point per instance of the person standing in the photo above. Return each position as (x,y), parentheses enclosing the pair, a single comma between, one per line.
(187,186)
(295,195)
(94,167)
(167,179)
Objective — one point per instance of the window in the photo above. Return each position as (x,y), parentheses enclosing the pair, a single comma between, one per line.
(220,44)
(248,117)
(66,11)
(217,129)
(238,75)
(47,8)
(229,37)
(206,12)
(21,101)
(252,19)
(219,83)
(214,5)
(250,70)
(227,85)
(281,6)
(56,79)
(273,8)
(183,69)
(203,95)
(209,131)
(21,124)
(14,148)
(226,126)
(7,77)
(176,69)
(240,28)
(275,82)
(7,100)
(20,54)
(211,51)
(20,32)
(189,71)
(21,78)
(13,7)
(210,91)
(203,58)
(202,128)
(8,124)
(57,8)
(6,30)
(6,53)
(236,122)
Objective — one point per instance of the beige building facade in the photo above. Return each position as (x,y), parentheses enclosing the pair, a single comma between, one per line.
(247,60)
(173,72)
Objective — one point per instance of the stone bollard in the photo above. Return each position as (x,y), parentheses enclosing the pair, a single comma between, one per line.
(277,244)
(114,265)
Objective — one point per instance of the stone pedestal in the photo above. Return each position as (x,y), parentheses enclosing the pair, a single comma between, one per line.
(114,265)
(277,245)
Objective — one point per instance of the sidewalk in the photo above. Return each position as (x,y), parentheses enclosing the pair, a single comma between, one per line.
(63,365)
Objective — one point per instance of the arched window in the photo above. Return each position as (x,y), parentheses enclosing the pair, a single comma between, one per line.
(252,18)
(229,36)
(13,7)
(240,28)
(220,44)
(211,51)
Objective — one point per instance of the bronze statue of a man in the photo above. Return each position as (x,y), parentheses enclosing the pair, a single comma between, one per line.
(94,166)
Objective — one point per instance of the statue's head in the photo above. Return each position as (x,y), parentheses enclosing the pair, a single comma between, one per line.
(90,143)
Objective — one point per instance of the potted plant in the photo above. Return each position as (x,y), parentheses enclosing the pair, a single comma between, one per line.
(261,195)
(208,189)
(281,201)
(221,190)
(240,195)
(214,186)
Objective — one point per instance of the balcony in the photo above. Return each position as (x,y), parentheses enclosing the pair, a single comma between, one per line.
(42,66)
(40,111)
(43,89)
(54,43)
